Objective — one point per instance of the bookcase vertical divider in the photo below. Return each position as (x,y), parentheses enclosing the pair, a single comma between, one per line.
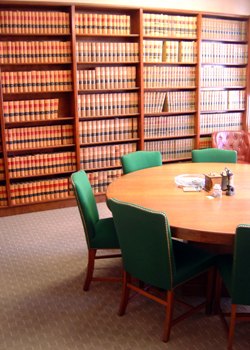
(198,82)
(141,122)
(247,110)
(4,147)
(75,87)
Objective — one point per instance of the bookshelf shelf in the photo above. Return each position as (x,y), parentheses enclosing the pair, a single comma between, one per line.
(170,63)
(106,36)
(113,63)
(170,37)
(226,41)
(173,88)
(81,85)
(109,142)
(87,91)
(39,176)
(168,113)
(169,137)
(98,117)
(38,64)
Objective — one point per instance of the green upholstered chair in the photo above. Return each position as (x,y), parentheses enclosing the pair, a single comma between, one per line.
(99,233)
(214,155)
(140,160)
(234,271)
(151,256)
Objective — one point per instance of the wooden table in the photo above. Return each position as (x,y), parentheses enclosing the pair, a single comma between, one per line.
(192,215)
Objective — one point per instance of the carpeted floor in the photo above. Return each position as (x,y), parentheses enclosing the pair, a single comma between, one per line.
(43,307)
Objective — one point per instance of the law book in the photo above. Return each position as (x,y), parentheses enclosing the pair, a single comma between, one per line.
(6,111)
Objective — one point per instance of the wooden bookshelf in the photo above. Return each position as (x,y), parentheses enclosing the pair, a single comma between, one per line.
(224,68)
(38,118)
(81,85)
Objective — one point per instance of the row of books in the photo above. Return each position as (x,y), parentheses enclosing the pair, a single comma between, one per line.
(216,76)
(102,23)
(30,110)
(35,52)
(108,130)
(104,156)
(180,51)
(36,81)
(107,78)
(205,142)
(177,125)
(168,76)
(3,196)
(170,101)
(170,51)
(39,191)
(34,22)
(179,101)
(90,51)
(54,189)
(212,52)
(152,51)
(169,25)
(100,180)
(224,29)
(172,149)
(41,164)
(38,136)
(93,105)
(154,102)
(222,100)
(220,121)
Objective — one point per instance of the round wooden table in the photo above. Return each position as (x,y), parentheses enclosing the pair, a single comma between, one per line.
(193,216)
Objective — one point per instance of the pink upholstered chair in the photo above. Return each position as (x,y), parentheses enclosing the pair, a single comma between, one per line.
(233,140)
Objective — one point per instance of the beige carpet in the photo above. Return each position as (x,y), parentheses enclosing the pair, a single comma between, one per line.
(43,307)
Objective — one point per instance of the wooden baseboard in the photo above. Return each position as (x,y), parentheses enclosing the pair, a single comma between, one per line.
(29,208)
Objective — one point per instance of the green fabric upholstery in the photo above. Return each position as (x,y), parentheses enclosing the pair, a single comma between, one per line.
(100,233)
(235,270)
(148,251)
(140,160)
(214,155)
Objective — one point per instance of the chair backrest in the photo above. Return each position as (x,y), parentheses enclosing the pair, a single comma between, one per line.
(140,160)
(86,202)
(214,155)
(145,240)
(241,266)
(233,140)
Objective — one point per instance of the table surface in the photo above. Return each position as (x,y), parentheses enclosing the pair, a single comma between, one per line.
(192,215)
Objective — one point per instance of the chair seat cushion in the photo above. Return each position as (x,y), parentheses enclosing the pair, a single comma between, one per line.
(105,235)
(190,261)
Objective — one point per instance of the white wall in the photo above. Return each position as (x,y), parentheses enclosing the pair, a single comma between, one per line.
(239,7)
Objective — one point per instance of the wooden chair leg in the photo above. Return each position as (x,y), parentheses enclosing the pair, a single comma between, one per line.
(90,269)
(231,327)
(125,293)
(169,316)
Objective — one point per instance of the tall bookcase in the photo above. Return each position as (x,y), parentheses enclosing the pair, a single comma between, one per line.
(37,103)
(224,71)
(170,83)
(108,89)
(81,85)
